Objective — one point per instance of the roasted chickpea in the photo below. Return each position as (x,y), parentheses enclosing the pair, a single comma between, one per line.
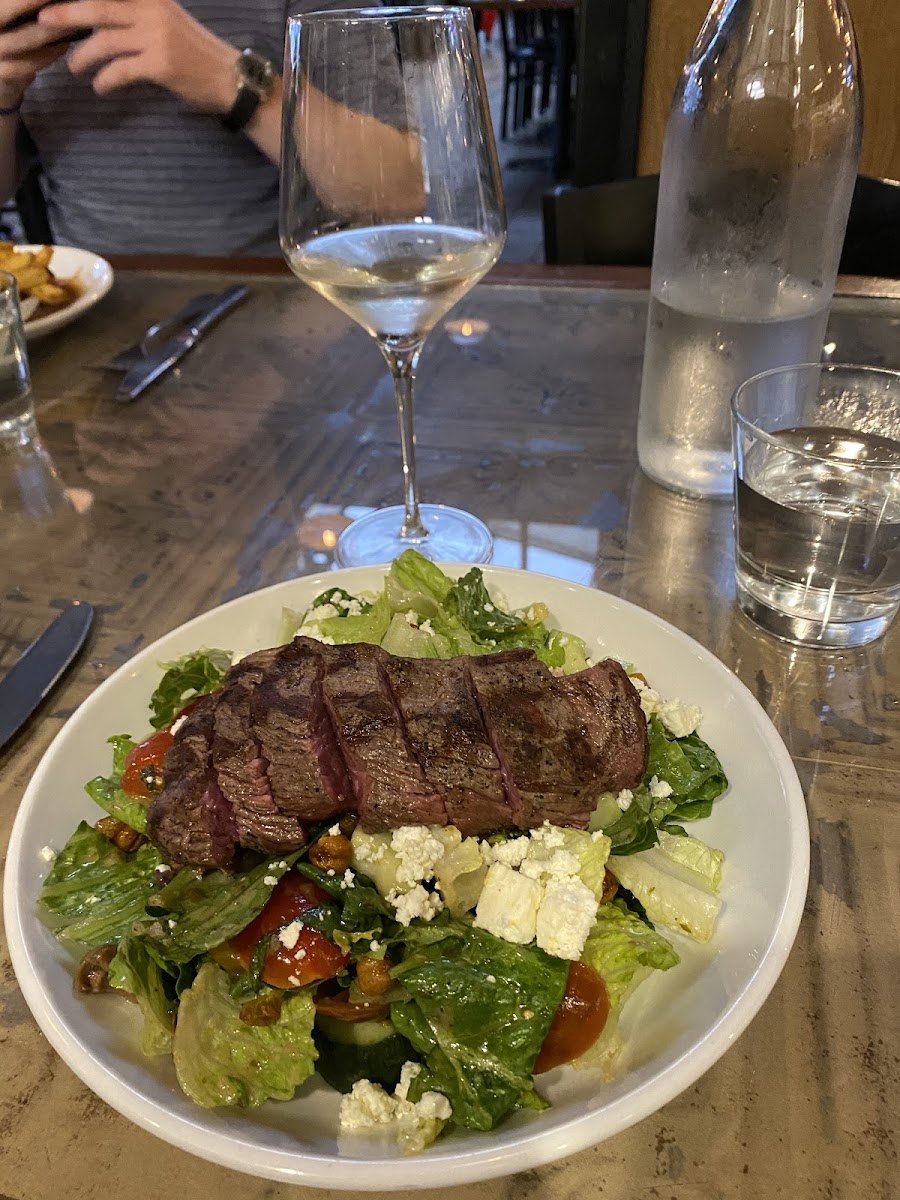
(373,975)
(332,852)
(119,833)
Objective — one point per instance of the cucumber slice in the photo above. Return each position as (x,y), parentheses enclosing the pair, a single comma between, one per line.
(350,1051)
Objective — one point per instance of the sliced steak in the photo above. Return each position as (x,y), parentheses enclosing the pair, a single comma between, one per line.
(306,772)
(241,769)
(389,784)
(608,704)
(551,736)
(190,820)
(446,733)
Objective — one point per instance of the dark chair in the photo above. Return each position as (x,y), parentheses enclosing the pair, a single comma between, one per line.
(529,55)
(612,224)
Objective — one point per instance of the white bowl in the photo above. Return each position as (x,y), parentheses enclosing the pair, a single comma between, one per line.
(683,1021)
(93,273)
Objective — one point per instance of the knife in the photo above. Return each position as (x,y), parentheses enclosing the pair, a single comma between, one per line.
(29,680)
(145,372)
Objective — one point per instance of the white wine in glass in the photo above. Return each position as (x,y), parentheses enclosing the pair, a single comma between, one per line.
(392,209)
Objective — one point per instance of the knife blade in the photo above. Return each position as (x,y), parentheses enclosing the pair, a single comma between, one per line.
(145,372)
(29,680)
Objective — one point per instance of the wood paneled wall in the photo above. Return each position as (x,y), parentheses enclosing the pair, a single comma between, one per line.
(674,25)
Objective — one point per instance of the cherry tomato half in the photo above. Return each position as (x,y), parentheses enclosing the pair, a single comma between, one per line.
(147,758)
(312,957)
(578,1021)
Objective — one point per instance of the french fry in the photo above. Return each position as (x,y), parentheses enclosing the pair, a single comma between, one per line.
(35,280)
(30,278)
(51,293)
(17,260)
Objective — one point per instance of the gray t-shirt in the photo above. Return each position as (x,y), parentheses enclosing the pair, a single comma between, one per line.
(139,172)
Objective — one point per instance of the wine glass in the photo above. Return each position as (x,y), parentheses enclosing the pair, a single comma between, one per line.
(392,208)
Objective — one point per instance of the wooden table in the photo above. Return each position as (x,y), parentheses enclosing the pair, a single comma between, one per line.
(216,483)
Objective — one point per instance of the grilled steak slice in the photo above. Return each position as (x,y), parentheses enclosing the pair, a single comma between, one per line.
(446,732)
(389,784)
(608,704)
(240,767)
(550,737)
(306,772)
(190,820)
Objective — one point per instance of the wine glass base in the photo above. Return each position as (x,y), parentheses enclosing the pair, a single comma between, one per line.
(453,536)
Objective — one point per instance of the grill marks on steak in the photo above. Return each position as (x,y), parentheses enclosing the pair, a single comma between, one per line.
(446,733)
(242,770)
(306,771)
(191,820)
(307,731)
(549,761)
(388,780)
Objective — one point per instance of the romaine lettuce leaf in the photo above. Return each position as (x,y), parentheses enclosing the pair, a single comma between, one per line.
(619,945)
(479,1012)
(691,852)
(415,584)
(673,895)
(630,831)
(194,914)
(136,971)
(692,770)
(190,676)
(370,626)
(95,891)
(106,790)
(220,1060)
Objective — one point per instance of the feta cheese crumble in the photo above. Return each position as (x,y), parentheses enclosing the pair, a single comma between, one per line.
(624,799)
(417,902)
(680,719)
(508,905)
(368,1108)
(289,934)
(270,880)
(418,852)
(565,917)
(48,855)
(659,789)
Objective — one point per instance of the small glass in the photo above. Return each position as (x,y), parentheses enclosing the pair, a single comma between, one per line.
(30,487)
(392,209)
(15,379)
(817,502)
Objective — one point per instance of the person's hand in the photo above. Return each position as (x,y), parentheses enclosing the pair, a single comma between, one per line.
(24,51)
(150,41)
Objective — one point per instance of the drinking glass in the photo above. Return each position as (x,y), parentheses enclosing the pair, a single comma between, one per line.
(30,487)
(817,502)
(392,209)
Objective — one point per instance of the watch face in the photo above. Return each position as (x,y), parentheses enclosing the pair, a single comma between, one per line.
(256,72)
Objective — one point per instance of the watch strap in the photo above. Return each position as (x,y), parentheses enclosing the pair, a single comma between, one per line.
(241,112)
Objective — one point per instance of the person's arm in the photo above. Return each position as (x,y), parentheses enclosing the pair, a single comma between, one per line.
(157,41)
(23,52)
(358,164)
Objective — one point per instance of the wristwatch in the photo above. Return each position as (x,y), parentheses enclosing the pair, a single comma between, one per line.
(255,78)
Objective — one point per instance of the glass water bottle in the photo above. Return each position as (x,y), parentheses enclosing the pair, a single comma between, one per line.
(758,170)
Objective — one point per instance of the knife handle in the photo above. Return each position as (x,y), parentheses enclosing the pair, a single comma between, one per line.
(228,300)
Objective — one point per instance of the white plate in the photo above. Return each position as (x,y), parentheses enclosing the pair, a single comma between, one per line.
(686,1019)
(93,273)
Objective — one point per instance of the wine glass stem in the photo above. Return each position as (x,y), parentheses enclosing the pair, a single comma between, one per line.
(403,361)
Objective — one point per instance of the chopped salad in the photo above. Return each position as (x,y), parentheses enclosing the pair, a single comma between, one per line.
(431,978)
